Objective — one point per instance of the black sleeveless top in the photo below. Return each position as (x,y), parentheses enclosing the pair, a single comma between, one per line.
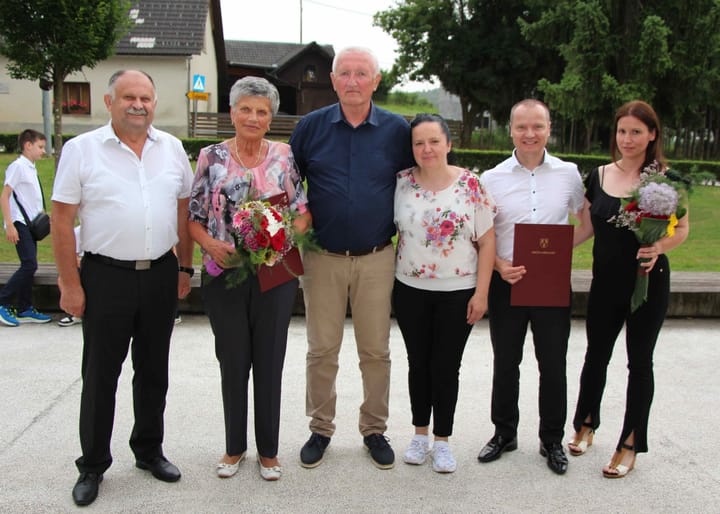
(614,248)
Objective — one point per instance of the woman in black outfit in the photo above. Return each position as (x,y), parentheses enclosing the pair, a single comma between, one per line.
(638,142)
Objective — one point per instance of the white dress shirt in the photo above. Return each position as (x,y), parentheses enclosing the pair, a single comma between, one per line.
(127,205)
(545,194)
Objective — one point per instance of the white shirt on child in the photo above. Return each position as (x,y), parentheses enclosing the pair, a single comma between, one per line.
(21,176)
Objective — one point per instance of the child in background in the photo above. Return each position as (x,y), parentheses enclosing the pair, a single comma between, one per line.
(22,185)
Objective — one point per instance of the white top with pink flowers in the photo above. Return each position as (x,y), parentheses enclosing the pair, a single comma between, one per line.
(437,231)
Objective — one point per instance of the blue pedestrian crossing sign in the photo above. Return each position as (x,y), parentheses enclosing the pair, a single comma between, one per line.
(198,83)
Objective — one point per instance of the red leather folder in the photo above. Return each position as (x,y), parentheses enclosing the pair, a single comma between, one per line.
(289,267)
(546,252)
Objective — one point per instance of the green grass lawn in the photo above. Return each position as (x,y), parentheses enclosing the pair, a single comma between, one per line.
(699,253)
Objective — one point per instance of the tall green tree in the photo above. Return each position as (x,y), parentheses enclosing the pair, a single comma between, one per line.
(46,40)
(388,81)
(473,47)
(618,50)
(687,97)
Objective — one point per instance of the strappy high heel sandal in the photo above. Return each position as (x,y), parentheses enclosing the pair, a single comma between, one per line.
(582,440)
(616,468)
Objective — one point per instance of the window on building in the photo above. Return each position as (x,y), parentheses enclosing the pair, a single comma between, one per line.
(310,75)
(77,98)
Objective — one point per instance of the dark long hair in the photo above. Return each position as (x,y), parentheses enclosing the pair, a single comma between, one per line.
(642,111)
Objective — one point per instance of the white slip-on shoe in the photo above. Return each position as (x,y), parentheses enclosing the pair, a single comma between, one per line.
(226,470)
(270,474)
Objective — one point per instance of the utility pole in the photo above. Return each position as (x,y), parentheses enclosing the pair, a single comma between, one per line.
(301,40)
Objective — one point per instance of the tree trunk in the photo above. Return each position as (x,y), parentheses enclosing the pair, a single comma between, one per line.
(58,95)
(588,134)
(467,128)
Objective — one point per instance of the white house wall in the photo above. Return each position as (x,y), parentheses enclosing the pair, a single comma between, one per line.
(21,100)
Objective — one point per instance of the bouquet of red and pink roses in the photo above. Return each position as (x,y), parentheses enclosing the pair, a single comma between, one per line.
(651,212)
(263,234)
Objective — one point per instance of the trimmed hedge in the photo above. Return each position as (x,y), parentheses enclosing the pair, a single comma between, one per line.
(477,160)
(481,160)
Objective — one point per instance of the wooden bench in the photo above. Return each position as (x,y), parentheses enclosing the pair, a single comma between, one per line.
(214,124)
(218,124)
(694,294)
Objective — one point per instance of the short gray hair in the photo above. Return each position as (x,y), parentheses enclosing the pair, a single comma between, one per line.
(115,76)
(359,50)
(255,86)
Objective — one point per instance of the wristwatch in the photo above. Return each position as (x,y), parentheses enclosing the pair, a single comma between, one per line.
(186,269)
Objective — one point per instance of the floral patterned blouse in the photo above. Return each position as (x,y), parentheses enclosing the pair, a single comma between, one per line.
(220,184)
(437,231)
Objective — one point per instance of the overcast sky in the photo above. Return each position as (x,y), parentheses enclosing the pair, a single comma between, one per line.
(327,22)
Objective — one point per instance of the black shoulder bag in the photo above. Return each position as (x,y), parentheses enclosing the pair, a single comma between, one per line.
(40,224)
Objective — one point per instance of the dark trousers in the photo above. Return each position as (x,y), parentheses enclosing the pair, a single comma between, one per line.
(250,330)
(551,329)
(435,330)
(606,315)
(20,283)
(122,306)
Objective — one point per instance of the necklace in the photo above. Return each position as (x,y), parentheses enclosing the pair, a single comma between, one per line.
(240,161)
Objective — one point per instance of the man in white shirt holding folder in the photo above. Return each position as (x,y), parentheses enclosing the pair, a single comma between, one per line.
(529,187)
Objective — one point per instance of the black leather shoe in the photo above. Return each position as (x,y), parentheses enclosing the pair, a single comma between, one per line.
(495,447)
(161,468)
(86,488)
(556,458)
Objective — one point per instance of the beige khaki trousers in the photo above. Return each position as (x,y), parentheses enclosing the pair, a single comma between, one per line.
(329,281)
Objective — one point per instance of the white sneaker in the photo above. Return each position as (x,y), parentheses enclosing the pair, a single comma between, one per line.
(442,457)
(69,321)
(417,451)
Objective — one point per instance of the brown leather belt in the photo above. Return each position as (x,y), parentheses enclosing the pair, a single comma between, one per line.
(141,265)
(360,253)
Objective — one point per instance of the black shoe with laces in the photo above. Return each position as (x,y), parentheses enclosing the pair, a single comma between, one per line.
(556,458)
(86,488)
(313,450)
(380,452)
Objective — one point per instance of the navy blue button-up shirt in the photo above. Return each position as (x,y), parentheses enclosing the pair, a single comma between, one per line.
(350,174)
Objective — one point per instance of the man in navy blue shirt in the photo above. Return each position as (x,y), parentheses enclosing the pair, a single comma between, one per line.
(349,153)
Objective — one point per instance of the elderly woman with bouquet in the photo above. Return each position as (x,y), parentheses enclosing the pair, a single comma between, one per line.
(637,214)
(237,230)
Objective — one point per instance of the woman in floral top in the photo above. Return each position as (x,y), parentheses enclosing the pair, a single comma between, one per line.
(250,326)
(446,251)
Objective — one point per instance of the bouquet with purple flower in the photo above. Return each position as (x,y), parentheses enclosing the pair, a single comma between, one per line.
(651,212)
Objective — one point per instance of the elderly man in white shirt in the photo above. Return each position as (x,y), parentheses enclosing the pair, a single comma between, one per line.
(130,185)
(529,187)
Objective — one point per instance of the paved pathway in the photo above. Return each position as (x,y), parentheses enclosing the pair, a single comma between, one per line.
(39,396)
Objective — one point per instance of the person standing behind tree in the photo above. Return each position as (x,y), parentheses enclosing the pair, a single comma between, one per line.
(22,185)
(129,184)
(349,153)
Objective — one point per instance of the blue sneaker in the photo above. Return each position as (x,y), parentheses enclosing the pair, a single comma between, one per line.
(31,315)
(7,317)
